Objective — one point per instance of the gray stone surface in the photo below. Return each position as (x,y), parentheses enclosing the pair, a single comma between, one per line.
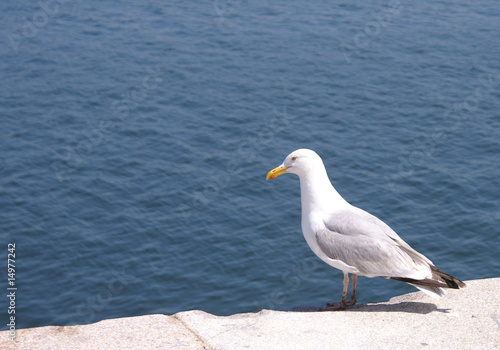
(465,319)
(142,332)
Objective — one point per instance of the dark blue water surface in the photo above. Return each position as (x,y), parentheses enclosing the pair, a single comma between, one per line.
(136,136)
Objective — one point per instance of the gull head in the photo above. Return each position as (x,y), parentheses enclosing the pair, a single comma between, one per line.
(300,162)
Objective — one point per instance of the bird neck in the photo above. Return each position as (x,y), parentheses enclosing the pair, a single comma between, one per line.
(318,194)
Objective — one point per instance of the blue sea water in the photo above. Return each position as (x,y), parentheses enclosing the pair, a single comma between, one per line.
(136,136)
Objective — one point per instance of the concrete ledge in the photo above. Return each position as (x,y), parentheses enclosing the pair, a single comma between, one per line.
(464,319)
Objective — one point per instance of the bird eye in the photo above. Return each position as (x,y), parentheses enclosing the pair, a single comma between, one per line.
(294,158)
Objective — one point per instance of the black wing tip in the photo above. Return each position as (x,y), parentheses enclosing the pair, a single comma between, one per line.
(450,281)
(440,279)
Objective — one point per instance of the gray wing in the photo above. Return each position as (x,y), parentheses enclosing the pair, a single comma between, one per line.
(361,240)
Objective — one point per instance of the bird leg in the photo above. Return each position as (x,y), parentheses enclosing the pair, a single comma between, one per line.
(353,290)
(343,305)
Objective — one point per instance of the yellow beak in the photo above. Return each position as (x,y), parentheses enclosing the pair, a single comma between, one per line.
(279,170)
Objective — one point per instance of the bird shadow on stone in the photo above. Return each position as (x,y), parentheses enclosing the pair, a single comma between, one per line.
(404,306)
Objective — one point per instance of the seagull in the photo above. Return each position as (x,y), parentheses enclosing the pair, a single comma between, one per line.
(351,239)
